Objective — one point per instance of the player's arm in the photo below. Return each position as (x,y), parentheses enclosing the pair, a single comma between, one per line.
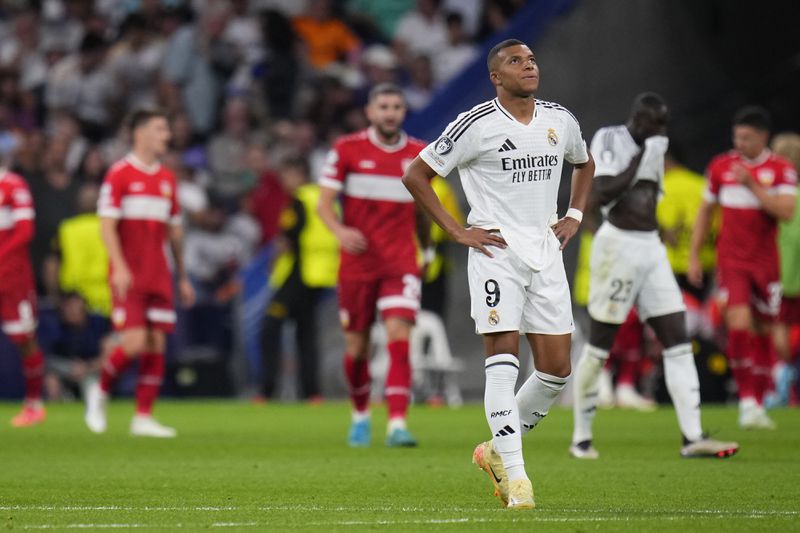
(185,288)
(351,239)
(647,164)
(582,178)
(780,206)
(699,234)
(121,279)
(423,230)
(22,216)
(417,180)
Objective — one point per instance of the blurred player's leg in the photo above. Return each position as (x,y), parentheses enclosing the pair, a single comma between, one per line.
(761,350)
(356,370)
(33,370)
(587,377)
(680,374)
(151,374)
(398,382)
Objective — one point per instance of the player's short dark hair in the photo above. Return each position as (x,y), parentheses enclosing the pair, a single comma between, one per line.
(143,116)
(754,116)
(647,100)
(385,88)
(296,161)
(499,46)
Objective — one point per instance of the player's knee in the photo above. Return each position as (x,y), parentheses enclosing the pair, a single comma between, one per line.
(355,345)
(397,329)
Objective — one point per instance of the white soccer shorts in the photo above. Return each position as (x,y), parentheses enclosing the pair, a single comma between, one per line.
(508,295)
(627,268)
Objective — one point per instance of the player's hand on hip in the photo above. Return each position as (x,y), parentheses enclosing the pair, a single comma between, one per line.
(565,229)
(479,239)
(121,281)
(352,241)
(694,271)
(186,292)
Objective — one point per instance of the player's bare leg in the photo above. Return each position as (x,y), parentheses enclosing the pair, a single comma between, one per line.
(32,412)
(586,387)
(398,382)
(132,342)
(151,373)
(356,369)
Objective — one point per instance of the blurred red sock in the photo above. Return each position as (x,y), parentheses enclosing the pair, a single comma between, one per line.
(357,373)
(151,374)
(398,379)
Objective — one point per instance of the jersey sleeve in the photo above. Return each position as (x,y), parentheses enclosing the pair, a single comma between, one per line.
(786,180)
(21,203)
(575,149)
(175,217)
(711,194)
(607,162)
(109,205)
(334,170)
(459,144)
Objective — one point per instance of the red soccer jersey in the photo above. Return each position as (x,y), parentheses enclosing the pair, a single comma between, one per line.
(144,200)
(375,201)
(747,237)
(16,208)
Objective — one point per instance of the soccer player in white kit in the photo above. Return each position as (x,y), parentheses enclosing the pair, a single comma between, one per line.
(509,153)
(628,267)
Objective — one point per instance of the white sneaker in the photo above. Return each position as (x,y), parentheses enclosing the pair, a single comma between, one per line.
(96,401)
(628,398)
(753,416)
(147,426)
(605,390)
(583,450)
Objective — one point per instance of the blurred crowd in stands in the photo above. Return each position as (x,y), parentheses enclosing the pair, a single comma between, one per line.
(249,84)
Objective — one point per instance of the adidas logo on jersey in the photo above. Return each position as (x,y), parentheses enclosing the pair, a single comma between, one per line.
(507,146)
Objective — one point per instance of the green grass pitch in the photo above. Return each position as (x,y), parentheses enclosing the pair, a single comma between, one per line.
(286,468)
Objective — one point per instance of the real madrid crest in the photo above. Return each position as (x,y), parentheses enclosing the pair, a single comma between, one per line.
(552,138)
(494,317)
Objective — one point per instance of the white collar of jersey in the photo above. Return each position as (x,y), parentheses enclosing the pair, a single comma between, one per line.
(141,165)
(510,117)
(760,159)
(399,145)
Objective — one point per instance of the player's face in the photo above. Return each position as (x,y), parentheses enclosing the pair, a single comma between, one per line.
(749,141)
(154,135)
(516,70)
(386,113)
(650,121)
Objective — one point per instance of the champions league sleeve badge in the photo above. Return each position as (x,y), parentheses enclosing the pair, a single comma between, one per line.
(443,146)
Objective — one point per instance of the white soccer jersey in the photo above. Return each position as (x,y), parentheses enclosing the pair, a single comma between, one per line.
(613,148)
(511,171)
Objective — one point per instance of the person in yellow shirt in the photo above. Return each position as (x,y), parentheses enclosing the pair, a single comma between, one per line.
(306,265)
(434,283)
(676,213)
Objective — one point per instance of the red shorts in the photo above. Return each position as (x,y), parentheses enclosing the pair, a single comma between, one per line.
(790,310)
(18,312)
(760,289)
(143,309)
(394,297)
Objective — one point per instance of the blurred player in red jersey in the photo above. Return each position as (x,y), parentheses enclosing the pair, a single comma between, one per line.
(755,189)
(379,254)
(17,290)
(139,211)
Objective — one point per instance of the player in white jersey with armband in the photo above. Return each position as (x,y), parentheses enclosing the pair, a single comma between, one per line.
(509,153)
(628,267)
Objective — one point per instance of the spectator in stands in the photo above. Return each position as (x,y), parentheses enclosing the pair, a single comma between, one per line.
(193,154)
(457,54)
(188,79)
(282,64)
(226,151)
(677,212)
(496,16)
(83,85)
(327,39)
(419,90)
(421,31)
(192,196)
(83,265)
(135,62)
(74,342)
(92,167)
(307,264)
(384,15)
(268,198)
(243,32)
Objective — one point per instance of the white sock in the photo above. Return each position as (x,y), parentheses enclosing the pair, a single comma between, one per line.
(536,396)
(395,423)
(501,412)
(586,387)
(683,385)
(360,416)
